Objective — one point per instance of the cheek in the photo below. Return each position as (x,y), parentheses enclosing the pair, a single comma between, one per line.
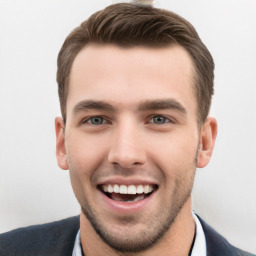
(84,154)
(83,159)
(175,153)
(179,144)
(77,186)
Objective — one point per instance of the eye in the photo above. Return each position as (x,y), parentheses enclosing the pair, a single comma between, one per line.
(95,120)
(159,120)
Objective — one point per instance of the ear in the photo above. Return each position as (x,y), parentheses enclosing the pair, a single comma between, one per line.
(207,142)
(60,144)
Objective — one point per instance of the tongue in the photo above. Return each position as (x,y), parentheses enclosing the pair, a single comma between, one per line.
(126,197)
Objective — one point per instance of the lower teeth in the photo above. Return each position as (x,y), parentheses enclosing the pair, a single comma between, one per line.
(136,199)
(126,197)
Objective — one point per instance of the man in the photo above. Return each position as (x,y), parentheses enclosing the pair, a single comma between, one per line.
(135,87)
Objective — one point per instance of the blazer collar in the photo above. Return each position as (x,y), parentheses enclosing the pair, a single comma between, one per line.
(217,244)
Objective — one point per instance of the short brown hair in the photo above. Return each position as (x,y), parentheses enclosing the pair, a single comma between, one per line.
(128,25)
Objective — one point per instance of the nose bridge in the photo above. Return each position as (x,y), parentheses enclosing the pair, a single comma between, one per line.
(127,147)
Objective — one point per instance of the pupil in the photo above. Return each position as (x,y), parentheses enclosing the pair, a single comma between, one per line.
(97,120)
(159,120)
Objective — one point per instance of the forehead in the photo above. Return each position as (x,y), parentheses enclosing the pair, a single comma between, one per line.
(126,76)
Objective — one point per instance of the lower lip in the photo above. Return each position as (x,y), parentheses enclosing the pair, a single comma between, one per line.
(126,207)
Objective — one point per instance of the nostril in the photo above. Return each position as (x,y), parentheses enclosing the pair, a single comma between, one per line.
(126,156)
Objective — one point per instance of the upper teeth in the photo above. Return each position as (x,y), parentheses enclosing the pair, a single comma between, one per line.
(131,189)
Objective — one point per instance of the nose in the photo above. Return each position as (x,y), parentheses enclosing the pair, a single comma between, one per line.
(127,148)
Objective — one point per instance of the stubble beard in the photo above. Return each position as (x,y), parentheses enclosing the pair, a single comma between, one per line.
(156,228)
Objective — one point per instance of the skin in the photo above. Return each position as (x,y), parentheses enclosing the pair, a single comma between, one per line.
(146,131)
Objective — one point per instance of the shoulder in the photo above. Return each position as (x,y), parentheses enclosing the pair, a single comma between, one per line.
(55,238)
(218,245)
(243,253)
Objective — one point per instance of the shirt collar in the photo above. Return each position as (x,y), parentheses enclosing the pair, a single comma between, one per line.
(199,247)
(77,251)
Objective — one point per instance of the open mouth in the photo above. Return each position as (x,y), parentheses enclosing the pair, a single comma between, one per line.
(127,193)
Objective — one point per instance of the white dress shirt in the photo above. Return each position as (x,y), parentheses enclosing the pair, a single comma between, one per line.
(199,248)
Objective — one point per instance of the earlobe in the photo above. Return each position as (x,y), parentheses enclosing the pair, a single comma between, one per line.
(60,144)
(207,142)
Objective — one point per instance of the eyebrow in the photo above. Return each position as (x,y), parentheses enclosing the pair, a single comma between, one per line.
(157,104)
(92,104)
(162,104)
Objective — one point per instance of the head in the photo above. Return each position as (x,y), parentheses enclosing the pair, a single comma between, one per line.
(135,87)
(129,25)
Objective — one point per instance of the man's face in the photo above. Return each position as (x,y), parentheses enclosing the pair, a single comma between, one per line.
(131,128)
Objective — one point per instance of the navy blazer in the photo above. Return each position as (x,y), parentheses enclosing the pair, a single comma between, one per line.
(58,238)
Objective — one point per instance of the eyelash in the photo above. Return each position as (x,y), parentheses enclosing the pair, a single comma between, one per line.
(165,118)
(88,120)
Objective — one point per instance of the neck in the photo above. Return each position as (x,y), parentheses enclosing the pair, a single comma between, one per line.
(177,240)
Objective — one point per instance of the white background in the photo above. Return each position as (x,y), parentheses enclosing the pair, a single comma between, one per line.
(34,190)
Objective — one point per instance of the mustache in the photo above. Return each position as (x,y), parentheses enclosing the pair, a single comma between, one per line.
(118,171)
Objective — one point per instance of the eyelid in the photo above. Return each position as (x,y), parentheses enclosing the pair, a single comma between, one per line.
(86,119)
(169,119)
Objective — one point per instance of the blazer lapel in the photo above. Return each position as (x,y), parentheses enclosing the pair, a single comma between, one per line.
(216,244)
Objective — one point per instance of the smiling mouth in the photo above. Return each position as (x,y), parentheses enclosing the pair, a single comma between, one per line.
(130,193)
